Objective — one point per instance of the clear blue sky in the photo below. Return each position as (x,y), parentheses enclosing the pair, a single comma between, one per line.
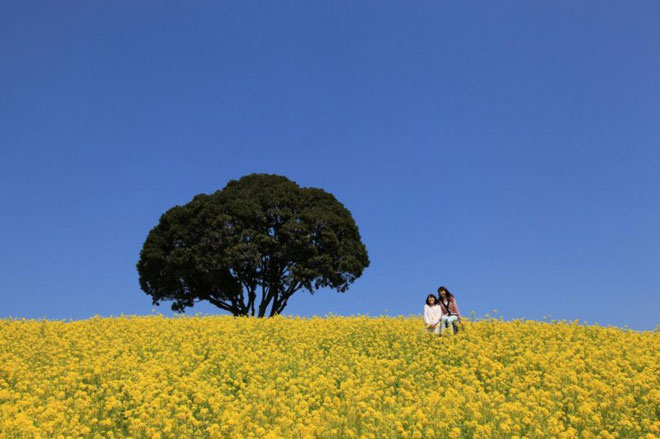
(508,150)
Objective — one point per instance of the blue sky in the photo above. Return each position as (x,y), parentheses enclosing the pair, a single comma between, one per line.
(508,150)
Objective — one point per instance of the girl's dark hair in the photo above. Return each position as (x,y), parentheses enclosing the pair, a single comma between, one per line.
(429,296)
(449,295)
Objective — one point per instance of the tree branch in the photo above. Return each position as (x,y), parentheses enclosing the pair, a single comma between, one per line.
(266,300)
(222,305)
(251,298)
(288,293)
(275,307)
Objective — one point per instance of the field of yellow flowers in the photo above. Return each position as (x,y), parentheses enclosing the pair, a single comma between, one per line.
(334,377)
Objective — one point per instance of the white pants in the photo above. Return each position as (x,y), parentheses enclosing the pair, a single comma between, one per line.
(448,320)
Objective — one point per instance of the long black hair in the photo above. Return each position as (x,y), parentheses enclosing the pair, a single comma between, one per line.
(429,296)
(447,293)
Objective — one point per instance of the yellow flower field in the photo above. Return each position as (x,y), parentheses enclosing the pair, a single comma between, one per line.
(334,377)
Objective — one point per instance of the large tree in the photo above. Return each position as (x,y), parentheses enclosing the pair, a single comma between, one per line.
(249,247)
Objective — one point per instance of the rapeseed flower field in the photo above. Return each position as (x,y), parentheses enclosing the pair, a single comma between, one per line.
(335,377)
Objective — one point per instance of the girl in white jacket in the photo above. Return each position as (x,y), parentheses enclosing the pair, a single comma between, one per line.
(432,314)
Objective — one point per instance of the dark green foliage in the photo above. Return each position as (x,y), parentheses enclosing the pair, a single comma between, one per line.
(261,237)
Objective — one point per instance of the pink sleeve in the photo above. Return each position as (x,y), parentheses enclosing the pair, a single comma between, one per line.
(456,306)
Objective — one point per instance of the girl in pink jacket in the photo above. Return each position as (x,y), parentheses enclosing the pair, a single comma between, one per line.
(450,313)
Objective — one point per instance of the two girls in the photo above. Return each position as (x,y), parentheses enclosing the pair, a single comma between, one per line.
(442,312)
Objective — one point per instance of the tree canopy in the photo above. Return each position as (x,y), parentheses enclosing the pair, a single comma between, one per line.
(249,247)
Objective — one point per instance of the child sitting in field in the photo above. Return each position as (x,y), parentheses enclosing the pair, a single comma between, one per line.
(450,314)
(432,314)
